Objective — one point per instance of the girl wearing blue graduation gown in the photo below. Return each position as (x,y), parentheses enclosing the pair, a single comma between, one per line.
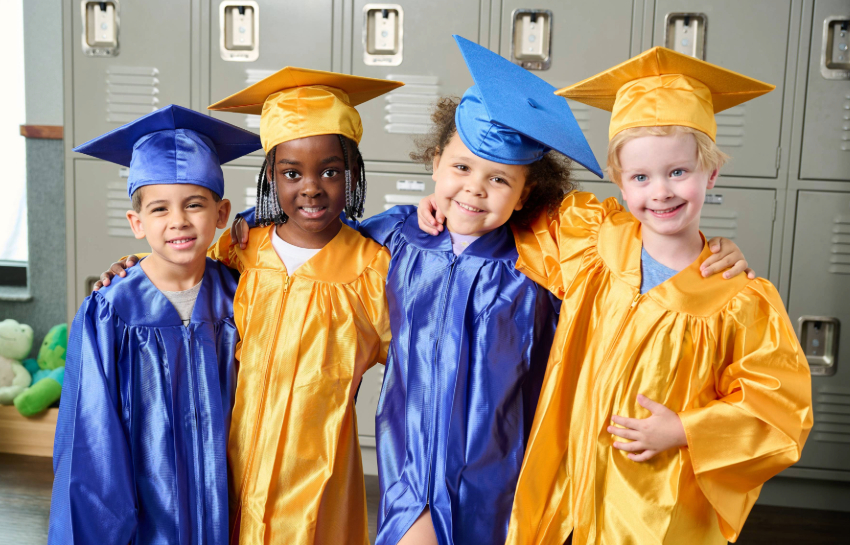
(140,448)
(471,334)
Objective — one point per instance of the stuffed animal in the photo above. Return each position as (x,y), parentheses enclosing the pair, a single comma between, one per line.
(47,381)
(15,345)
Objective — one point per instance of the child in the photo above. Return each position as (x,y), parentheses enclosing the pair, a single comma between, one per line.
(140,446)
(470,334)
(722,384)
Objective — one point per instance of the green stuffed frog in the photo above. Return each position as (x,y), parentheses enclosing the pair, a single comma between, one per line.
(15,345)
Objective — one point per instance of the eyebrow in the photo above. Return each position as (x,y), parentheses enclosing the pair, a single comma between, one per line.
(285,161)
(331,159)
(164,201)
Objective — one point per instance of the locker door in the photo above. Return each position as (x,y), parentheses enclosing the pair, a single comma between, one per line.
(431,66)
(152,69)
(826,129)
(750,38)
(577,52)
(367,406)
(102,231)
(820,286)
(290,33)
(602,190)
(386,190)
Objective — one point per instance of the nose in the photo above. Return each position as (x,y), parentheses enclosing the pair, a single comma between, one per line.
(475,186)
(179,219)
(660,190)
(310,187)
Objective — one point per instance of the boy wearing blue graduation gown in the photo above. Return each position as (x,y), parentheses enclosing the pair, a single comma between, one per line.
(140,449)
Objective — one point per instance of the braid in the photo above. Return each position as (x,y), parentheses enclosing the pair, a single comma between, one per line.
(268,209)
(355,197)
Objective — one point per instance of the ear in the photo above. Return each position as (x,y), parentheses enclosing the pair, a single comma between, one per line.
(136,224)
(435,163)
(712,179)
(526,191)
(223,213)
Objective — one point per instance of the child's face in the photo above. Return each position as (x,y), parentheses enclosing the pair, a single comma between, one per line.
(179,221)
(662,185)
(476,195)
(310,177)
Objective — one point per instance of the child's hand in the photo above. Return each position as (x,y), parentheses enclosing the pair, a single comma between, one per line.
(117,268)
(239,233)
(430,217)
(649,436)
(726,255)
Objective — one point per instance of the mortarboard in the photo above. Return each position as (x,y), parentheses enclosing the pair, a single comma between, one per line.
(511,116)
(173,145)
(299,102)
(661,87)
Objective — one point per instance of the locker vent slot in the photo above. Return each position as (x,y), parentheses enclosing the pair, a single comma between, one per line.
(252,76)
(718,222)
(832,414)
(408,109)
(839,258)
(730,126)
(117,204)
(582,114)
(131,92)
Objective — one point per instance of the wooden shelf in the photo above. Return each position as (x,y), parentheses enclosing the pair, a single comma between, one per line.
(30,436)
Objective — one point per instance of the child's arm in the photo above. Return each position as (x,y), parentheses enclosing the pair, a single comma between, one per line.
(93,490)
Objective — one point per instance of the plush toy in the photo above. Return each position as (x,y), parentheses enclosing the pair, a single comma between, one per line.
(15,345)
(47,381)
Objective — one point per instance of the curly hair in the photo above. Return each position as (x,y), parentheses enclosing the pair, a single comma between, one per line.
(549,177)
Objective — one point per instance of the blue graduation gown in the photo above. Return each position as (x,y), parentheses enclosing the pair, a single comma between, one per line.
(140,450)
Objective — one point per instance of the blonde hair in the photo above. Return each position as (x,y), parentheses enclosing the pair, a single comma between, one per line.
(709,156)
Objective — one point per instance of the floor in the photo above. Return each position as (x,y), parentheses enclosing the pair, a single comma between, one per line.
(25,484)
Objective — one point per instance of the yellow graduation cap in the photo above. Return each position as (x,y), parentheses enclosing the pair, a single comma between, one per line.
(299,102)
(662,87)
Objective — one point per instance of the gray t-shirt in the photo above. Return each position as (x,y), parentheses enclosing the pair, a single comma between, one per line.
(184,301)
(652,273)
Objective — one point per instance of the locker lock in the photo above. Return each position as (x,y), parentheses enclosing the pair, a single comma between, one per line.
(685,33)
(531,38)
(239,31)
(383,33)
(835,49)
(100,28)
(819,338)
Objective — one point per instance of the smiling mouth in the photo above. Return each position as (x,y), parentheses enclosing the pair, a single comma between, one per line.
(665,211)
(468,208)
(178,241)
(313,209)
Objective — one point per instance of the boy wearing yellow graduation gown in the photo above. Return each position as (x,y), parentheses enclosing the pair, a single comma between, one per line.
(669,398)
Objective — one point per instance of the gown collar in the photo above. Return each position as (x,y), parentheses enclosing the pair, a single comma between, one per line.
(620,244)
(497,244)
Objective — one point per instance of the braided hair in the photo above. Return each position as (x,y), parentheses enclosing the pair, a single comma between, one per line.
(268,209)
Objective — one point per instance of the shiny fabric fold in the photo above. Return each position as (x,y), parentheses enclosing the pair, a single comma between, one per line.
(140,449)
(180,156)
(721,353)
(470,340)
(307,339)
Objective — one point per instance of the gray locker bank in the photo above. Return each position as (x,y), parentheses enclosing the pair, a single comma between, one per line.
(784,197)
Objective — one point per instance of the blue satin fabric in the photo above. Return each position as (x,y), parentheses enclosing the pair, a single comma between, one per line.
(490,140)
(140,450)
(175,156)
(471,338)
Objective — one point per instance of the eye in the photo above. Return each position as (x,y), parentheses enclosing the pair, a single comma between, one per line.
(158,209)
(194,205)
(330,173)
(640,177)
(499,180)
(462,168)
(291,174)
(677,172)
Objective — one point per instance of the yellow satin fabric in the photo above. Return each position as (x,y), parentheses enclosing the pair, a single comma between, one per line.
(306,340)
(721,353)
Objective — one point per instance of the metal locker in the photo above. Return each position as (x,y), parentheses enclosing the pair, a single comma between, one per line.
(747,37)
(306,42)
(602,190)
(421,53)
(367,406)
(819,307)
(148,67)
(385,190)
(826,125)
(572,51)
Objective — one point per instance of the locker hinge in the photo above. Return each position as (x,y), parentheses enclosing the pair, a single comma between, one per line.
(778,156)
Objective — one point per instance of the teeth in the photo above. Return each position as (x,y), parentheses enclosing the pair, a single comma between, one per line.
(467,207)
(665,210)
(180,241)
(311,210)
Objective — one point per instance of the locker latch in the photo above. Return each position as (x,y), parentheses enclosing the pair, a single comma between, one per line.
(100,28)
(239,28)
(835,50)
(685,33)
(819,338)
(531,38)
(383,34)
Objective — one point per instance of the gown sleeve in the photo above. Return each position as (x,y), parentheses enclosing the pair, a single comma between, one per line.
(763,412)
(225,253)
(382,227)
(552,248)
(374,298)
(93,497)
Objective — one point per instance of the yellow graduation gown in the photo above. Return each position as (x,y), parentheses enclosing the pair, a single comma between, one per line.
(306,340)
(721,353)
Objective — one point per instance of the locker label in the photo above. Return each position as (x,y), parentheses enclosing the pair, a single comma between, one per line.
(383,33)
(713,198)
(410,185)
(100,28)
(532,38)
(685,33)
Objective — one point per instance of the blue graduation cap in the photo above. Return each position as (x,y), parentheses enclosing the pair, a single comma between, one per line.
(513,117)
(173,145)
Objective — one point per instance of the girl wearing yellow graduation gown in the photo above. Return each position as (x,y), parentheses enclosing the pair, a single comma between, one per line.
(719,356)
(308,335)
